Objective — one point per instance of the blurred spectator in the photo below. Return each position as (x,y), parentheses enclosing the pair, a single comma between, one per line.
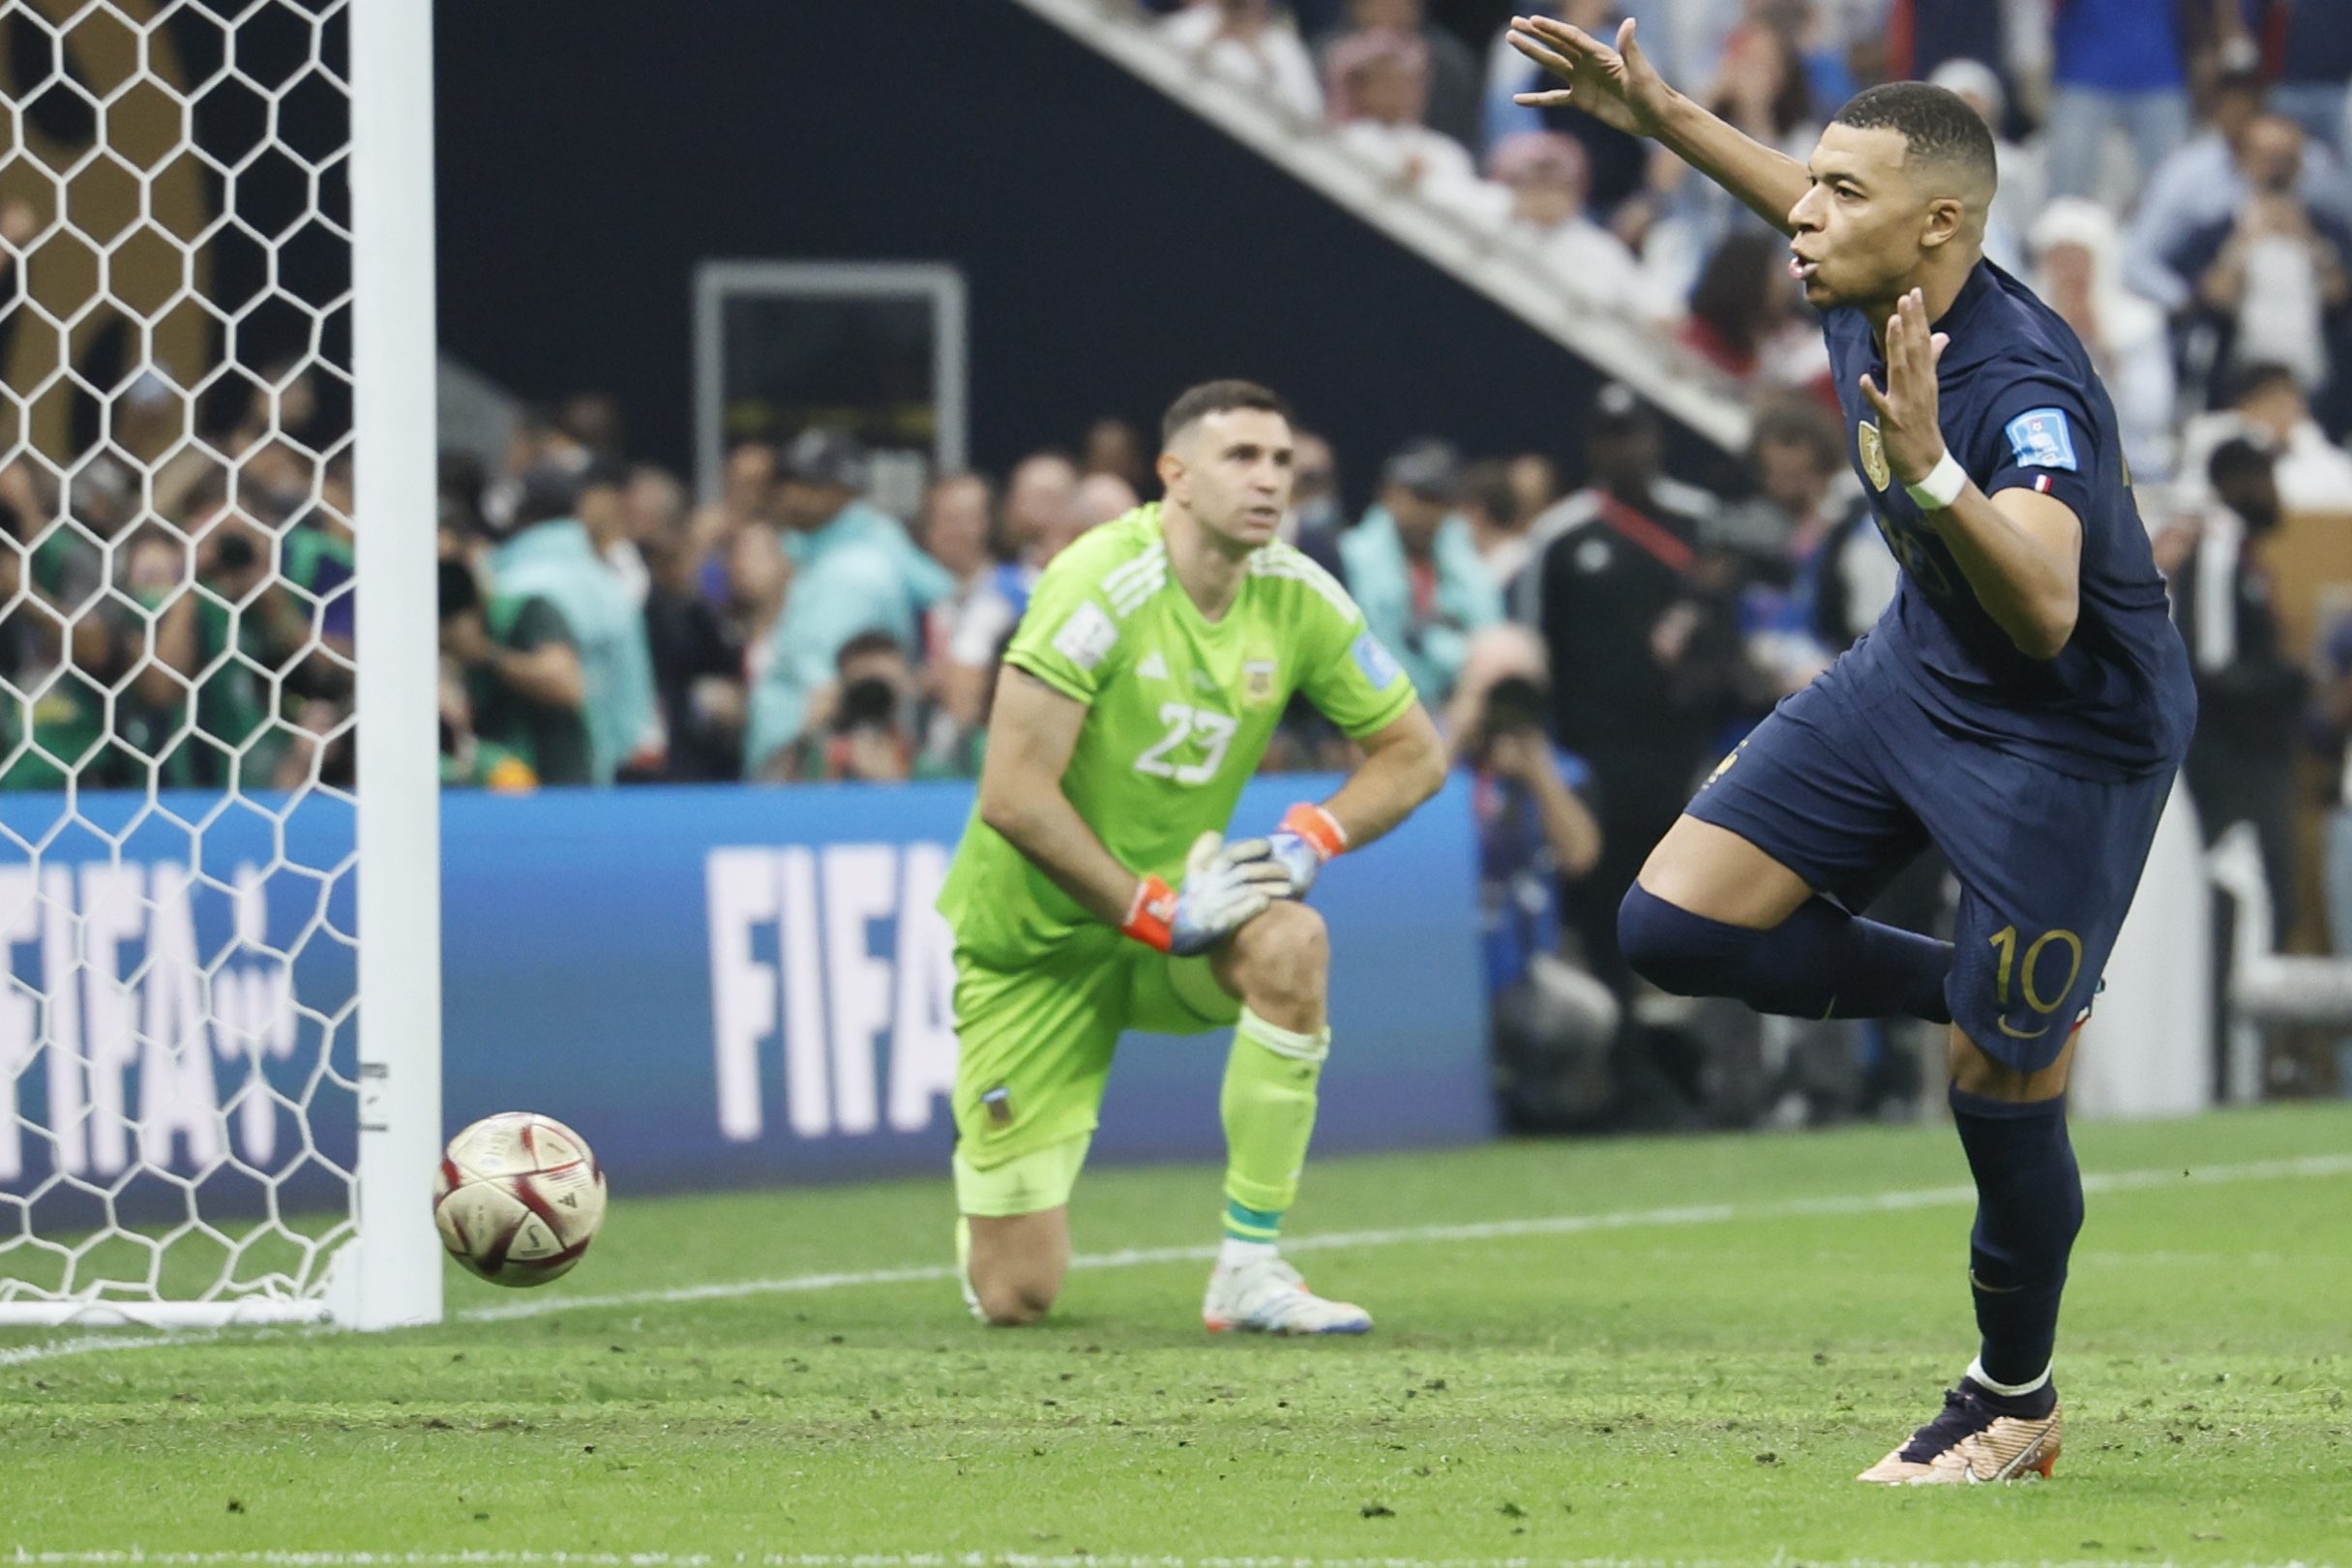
(1847,584)
(1683,221)
(1923,35)
(461,481)
(468,761)
(1492,510)
(1037,503)
(759,577)
(208,704)
(854,571)
(593,421)
(524,683)
(1762,87)
(566,523)
(963,631)
(1453,71)
(2313,474)
(1317,516)
(2078,273)
(1249,44)
(1804,495)
(2332,716)
(1554,1023)
(870,729)
(1644,657)
(746,500)
(1380,97)
(1100,498)
(1115,447)
(653,503)
(2310,42)
(1534,485)
(1619,164)
(1546,176)
(2117,64)
(2023,177)
(52,716)
(697,665)
(1415,570)
(1744,319)
(2205,182)
(2272,279)
(2240,765)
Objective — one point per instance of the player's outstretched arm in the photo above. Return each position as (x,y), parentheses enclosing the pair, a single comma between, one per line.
(1619,87)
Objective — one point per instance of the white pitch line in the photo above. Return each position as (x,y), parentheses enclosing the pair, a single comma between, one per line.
(2303,1169)
(1556,1225)
(24,1557)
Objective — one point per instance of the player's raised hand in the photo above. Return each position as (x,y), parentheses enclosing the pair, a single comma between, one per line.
(1908,408)
(1616,86)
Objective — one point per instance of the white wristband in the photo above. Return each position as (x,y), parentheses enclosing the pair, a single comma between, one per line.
(1943,485)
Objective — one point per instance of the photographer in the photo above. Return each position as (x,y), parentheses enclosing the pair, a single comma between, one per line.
(1554,1023)
(866,725)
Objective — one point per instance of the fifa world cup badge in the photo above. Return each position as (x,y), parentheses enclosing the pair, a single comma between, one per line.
(1874,456)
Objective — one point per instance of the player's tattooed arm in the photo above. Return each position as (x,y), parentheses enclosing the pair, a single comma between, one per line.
(2021,552)
(1031,733)
(1621,88)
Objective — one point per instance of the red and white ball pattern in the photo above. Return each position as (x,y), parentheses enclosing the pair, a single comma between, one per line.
(518,1197)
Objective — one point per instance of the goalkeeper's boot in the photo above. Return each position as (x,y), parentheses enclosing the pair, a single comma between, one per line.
(1972,1441)
(1265,1295)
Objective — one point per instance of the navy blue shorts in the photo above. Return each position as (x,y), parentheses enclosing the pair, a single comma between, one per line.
(1847,782)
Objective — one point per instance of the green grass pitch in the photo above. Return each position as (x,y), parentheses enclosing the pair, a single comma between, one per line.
(1654,1351)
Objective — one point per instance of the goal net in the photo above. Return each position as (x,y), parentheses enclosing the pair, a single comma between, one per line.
(216,458)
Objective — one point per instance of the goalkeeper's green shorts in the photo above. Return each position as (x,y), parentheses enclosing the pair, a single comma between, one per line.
(1036,1047)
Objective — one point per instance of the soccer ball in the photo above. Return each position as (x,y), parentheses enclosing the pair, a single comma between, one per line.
(518,1197)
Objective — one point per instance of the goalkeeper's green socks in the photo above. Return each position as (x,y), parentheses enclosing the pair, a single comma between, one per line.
(1268,1104)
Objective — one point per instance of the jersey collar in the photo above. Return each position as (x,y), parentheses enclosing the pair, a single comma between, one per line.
(1969,347)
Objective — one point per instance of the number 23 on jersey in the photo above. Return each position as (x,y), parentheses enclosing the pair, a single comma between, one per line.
(1212,732)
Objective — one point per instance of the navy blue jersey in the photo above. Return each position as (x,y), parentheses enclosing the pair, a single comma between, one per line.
(2020,405)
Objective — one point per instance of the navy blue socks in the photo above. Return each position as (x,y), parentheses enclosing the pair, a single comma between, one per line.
(2029,1207)
(1821,962)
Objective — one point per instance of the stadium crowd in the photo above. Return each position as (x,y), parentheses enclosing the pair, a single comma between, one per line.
(1593,631)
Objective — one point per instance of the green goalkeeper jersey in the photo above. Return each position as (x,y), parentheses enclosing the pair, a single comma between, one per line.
(1179,708)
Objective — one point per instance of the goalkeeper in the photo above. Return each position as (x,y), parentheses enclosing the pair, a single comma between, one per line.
(1092,893)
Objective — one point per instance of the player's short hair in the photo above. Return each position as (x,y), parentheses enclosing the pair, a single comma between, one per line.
(1935,123)
(1216,398)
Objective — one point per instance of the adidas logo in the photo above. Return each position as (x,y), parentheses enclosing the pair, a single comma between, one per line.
(1153,667)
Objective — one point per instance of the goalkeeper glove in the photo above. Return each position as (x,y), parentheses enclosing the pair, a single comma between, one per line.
(1308,837)
(1225,886)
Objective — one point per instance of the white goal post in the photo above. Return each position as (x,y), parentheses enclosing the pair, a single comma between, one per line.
(219,773)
